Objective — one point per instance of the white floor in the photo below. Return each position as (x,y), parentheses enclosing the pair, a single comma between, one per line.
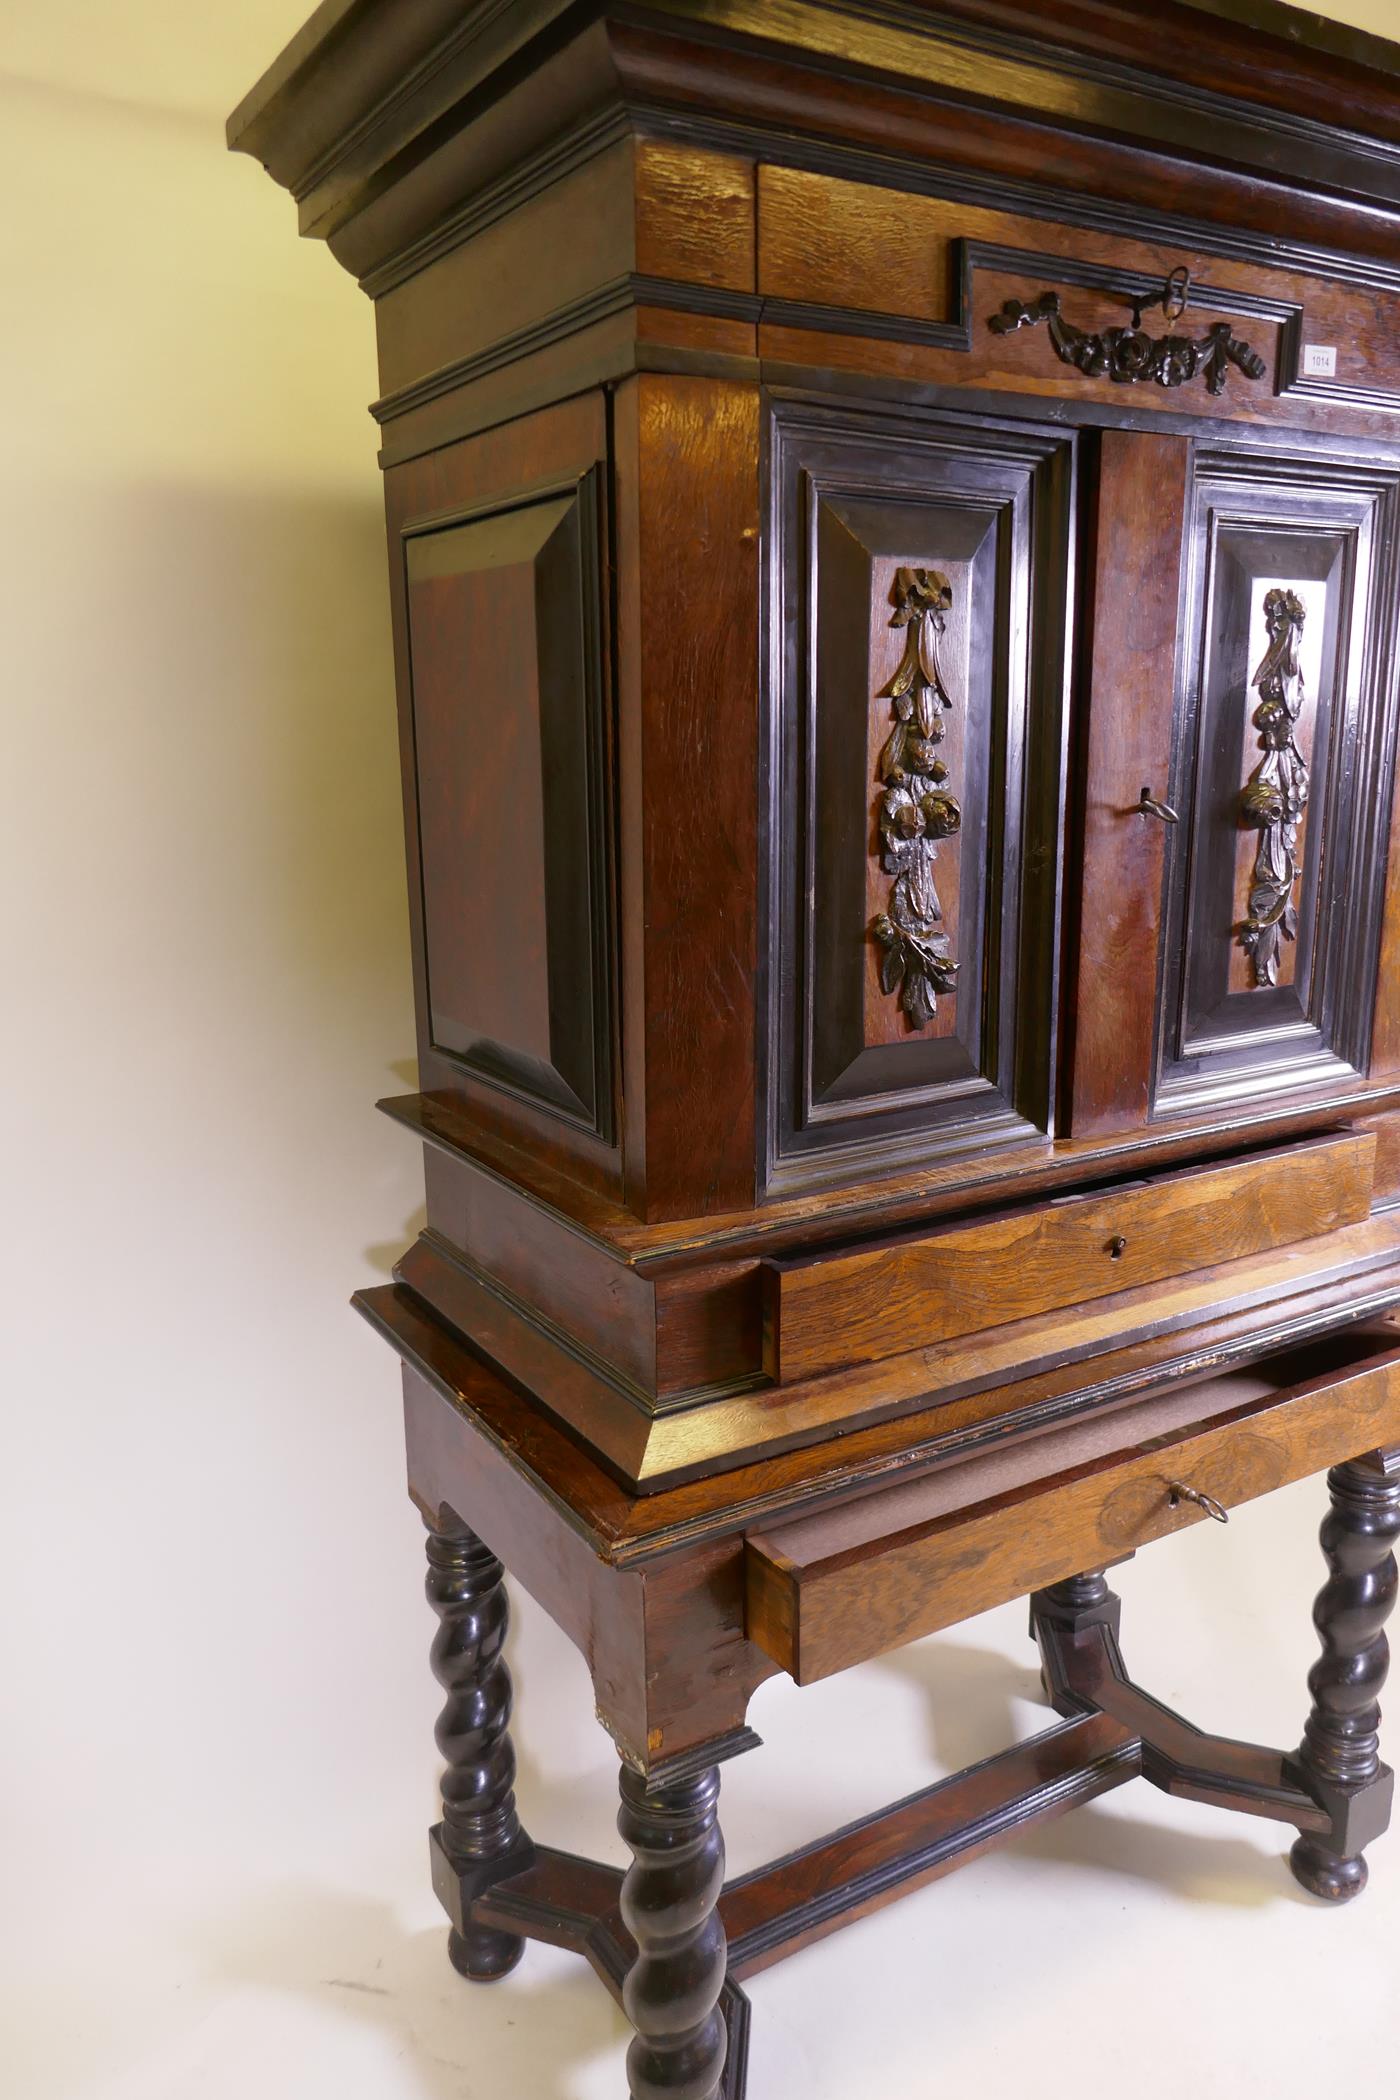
(1138,1946)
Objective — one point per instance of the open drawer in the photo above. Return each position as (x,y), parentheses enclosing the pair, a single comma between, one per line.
(833,1589)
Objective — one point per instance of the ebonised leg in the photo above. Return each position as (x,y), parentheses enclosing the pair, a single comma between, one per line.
(1067,1608)
(1083,1600)
(479,1840)
(669,1895)
(1340,1756)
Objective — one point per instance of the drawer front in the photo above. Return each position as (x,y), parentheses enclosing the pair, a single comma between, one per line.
(901,1295)
(829,1591)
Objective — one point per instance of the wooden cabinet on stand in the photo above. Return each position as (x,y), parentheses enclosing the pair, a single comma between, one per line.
(894,533)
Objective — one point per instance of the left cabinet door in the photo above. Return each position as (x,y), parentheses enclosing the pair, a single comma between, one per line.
(920,570)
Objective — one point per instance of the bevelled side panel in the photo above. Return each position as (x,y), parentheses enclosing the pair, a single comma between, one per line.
(508,753)
(1282,775)
(919,577)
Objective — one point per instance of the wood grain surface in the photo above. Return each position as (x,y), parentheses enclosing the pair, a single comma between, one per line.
(884,1300)
(1139,529)
(688,522)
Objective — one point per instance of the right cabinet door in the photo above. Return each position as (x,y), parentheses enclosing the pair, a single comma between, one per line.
(1283,766)
(1255,861)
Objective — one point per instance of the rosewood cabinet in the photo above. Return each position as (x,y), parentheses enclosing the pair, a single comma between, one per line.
(894,536)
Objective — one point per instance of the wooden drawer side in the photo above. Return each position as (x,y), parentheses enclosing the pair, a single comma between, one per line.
(882,1300)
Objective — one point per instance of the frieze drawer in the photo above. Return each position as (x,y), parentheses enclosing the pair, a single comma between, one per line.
(841,1587)
(897,1295)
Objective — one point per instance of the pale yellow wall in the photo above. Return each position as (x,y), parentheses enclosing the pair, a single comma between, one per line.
(1381,17)
(206,988)
(213,1666)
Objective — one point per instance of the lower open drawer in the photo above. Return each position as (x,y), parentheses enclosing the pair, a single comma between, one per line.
(827,1591)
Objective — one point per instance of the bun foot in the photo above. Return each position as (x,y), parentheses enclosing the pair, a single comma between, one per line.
(1324,1874)
(483,1956)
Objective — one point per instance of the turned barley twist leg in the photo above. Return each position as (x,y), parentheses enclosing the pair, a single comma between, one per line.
(672,1990)
(1340,1756)
(480,1830)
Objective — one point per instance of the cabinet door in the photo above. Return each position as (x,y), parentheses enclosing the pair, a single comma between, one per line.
(1231,935)
(1284,766)
(1137,499)
(919,579)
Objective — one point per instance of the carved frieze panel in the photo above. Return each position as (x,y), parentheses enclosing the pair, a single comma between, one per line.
(1283,770)
(1132,353)
(918,573)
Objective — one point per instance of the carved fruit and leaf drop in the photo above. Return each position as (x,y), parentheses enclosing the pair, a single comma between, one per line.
(915,811)
(1276,793)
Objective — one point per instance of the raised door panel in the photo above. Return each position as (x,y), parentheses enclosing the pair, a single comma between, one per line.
(919,580)
(1282,777)
(508,748)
